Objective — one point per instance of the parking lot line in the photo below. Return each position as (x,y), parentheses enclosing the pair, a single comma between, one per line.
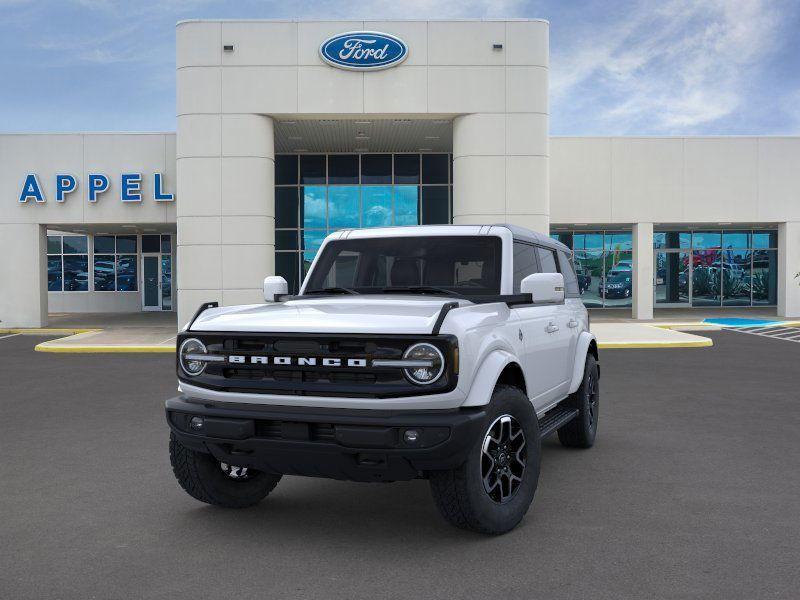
(2,337)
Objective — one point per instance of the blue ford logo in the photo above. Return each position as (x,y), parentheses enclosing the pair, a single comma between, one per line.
(363,50)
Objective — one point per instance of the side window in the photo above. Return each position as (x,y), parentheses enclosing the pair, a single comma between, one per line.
(524,263)
(547,258)
(570,278)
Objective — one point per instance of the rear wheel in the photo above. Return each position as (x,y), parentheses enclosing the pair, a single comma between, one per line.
(582,430)
(208,480)
(491,492)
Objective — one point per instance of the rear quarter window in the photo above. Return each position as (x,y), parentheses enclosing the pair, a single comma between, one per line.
(568,271)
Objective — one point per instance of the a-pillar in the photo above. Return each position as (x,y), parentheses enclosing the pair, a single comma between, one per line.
(642,275)
(23,299)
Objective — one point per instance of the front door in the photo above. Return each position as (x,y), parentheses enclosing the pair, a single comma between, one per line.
(151,277)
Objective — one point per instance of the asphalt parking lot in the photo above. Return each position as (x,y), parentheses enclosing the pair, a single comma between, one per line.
(692,491)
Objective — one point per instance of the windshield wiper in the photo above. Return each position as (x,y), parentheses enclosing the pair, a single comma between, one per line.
(420,289)
(332,290)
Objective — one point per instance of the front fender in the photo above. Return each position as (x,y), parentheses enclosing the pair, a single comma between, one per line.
(584,340)
(485,379)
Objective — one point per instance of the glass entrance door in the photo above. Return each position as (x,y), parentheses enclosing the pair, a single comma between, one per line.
(151,279)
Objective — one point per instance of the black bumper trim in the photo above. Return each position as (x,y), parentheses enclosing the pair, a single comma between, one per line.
(357,445)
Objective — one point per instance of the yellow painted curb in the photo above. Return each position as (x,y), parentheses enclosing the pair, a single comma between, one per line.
(704,343)
(44,347)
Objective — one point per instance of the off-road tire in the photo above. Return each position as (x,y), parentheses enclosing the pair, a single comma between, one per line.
(459,493)
(582,430)
(202,478)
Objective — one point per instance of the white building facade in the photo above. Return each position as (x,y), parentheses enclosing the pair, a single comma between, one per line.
(279,144)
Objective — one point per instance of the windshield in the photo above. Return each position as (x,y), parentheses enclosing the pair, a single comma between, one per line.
(466,265)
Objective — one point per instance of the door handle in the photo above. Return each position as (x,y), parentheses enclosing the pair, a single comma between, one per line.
(572,323)
(551,328)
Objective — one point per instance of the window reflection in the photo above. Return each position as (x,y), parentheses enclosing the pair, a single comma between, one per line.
(406,205)
(313,208)
(343,206)
(376,205)
(672,278)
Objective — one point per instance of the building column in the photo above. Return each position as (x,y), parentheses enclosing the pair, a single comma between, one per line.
(642,271)
(226,223)
(501,170)
(23,301)
(788,267)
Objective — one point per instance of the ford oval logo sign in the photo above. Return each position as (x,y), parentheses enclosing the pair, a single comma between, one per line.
(363,50)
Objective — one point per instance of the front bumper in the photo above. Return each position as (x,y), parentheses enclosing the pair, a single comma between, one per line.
(357,445)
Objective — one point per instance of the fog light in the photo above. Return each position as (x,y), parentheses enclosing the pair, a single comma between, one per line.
(196,423)
(411,436)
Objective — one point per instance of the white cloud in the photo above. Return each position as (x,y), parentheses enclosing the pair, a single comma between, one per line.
(669,69)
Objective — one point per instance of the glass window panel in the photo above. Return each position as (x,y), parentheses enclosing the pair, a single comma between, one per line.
(617,285)
(588,241)
(618,241)
(343,206)
(75,244)
(104,272)
(567,270)
(286,239)
(54,244)
(76,273)
(672,277)
(166,244)
(735,277)
(547,260)
(126,273)
(435,205)
(706,277)
(765,277)
(376,168)
(285,169)
(307,259)
(434,168)
(406,168)
(286,265)
(343,168)
(376,206)
(104,244)
(564,237)
(672,239)
(589,268)
(126,244)
(736,239)
(54,279)
(312,240)
(166,282)
(150,243)
(706,239)
(765,239)
(313,207)
(406,205)
(286,207)
(525,263)
(312,168)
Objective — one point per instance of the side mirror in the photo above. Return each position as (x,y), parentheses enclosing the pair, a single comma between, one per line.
(544,288)
(274,286)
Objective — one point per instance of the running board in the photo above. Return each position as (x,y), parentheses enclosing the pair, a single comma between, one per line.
(555,418)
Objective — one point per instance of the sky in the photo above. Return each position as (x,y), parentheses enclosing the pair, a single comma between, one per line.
(669,67)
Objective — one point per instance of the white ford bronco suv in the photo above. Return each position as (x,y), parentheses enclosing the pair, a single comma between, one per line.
(438,352)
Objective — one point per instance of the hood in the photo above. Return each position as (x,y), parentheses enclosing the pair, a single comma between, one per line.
(396,314)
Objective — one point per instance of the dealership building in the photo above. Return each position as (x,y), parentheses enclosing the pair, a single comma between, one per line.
(287,131)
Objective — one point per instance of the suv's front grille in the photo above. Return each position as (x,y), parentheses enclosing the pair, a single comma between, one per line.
(303,369)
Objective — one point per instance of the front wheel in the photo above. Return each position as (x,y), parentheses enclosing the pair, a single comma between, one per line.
(208,480)
(492,490)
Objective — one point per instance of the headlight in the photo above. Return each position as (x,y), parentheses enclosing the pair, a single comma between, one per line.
(190,349)
(431,363)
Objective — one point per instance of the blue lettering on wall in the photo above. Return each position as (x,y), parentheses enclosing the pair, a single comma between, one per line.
(131,188)
(363,50)
(98,183)
(31,190)
(65,184)
(158,195)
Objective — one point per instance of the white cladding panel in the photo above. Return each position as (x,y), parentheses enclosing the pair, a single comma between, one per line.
(674,180)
